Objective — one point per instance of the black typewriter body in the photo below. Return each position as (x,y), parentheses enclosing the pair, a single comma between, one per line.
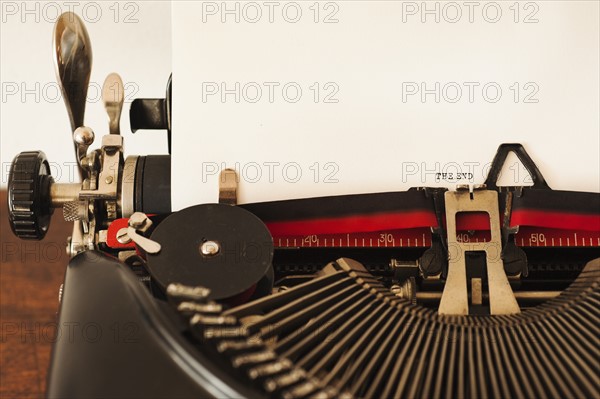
(482,291)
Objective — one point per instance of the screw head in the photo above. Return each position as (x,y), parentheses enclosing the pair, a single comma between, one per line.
(108,180)
(137,220)
(209,248)
(122,236)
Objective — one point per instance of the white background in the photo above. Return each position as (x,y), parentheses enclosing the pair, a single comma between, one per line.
(134,42)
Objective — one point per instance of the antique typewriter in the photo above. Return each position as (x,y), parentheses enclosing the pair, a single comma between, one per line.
(481,291)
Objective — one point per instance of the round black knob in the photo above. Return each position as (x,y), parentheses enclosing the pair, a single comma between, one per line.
(202,244)
(29,203)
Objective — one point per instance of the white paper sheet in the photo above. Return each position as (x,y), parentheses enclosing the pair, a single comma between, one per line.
(309,99)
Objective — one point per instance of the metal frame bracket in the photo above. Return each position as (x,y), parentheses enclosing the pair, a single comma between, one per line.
(455,300)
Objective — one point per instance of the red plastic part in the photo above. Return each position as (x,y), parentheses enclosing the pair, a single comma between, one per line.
(113,229)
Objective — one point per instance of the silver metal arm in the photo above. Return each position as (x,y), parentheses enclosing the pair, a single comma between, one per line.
(113,96)
(73,62)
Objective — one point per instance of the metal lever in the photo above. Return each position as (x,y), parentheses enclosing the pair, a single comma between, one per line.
(228,187)
(113,95)
(73,63)
(139,221)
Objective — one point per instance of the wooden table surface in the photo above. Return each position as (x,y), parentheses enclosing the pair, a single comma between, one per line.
(30,276)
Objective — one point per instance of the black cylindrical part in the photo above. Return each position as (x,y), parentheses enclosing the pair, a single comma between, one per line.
(153,184)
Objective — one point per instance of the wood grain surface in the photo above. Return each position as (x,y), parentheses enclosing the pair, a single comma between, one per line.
(30,276)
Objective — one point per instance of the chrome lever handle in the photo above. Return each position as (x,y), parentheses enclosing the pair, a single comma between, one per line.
(73,63)
(113,96)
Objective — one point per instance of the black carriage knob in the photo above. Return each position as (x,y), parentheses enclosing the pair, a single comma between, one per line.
(29,203)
